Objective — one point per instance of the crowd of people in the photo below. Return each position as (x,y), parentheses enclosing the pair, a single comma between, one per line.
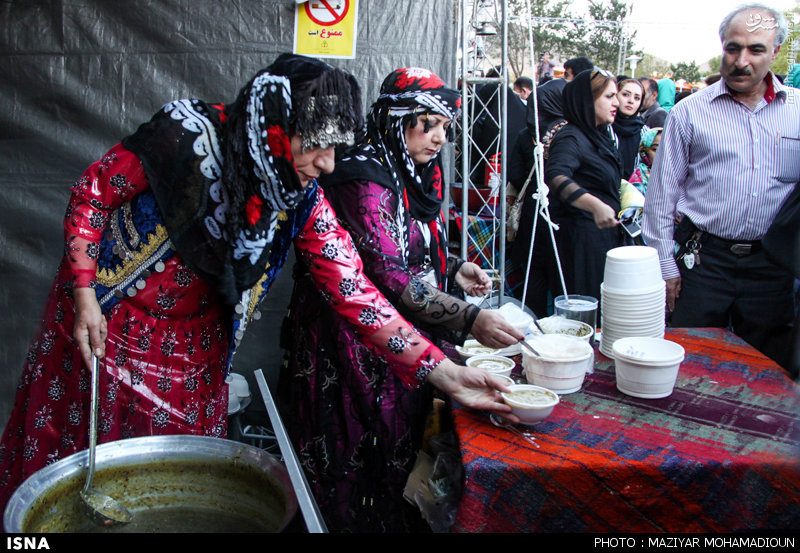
(717,199)
(177,233)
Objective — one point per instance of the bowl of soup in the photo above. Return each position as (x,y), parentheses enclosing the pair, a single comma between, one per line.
(530,403)
(562,362)
(564,327)
(473,347)
(495,364)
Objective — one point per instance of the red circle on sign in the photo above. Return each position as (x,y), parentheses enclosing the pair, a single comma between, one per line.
(337,17)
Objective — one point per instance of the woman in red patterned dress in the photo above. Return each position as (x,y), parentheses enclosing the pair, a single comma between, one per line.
(171,241)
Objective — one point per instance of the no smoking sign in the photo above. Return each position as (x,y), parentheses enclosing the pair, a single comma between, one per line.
(327,12)
(326,28)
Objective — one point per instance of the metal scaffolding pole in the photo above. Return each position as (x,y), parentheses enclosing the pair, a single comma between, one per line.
(479,18)
(484,227)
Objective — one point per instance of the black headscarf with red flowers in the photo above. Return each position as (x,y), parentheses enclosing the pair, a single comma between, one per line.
(381,155)
(221,175)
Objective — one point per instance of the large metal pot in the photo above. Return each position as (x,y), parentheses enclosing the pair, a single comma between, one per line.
(170,484)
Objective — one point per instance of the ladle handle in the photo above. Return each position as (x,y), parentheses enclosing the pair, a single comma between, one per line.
(529,347)
(536,322)
(92,422)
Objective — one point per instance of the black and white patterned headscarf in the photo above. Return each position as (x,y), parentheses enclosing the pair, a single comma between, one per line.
(222,175)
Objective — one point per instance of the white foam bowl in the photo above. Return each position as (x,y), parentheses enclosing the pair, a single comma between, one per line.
(656,290)
(473,347)
(238,383)
(633,324)
(647,367)
(563,364)
(495,364)
(531,412)
(632,268)
(612,336)
(564,327)
(638,313)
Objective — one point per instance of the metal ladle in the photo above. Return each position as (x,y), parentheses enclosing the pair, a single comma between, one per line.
(500,423)
(105,510)
(529,347)
(536,322)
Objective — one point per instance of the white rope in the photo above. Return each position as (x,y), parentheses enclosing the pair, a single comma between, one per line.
(540,195)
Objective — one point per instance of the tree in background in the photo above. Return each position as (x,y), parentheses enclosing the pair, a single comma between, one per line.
(600,40)
(548,36)
(687,71)
(651,66)
(714,64)
(600,35)
(790,51)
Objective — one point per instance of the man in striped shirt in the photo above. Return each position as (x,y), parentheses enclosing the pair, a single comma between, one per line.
(729,156)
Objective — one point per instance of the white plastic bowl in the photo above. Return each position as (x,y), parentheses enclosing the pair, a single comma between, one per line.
(563,364)
(632,268)
(611,335)
(647,367)
(506,379)
(564,327)
(657,290)
(495,364)
(645,349)
(529,413)
(238,383)
(472,348)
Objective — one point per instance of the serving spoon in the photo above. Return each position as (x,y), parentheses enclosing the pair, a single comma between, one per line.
(536,322)
(103,509)
(529,347)
(500,423)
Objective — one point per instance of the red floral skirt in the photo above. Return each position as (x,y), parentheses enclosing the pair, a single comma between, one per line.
(163,373)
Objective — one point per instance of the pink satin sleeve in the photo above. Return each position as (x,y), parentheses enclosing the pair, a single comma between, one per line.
(338,272)
(105,186)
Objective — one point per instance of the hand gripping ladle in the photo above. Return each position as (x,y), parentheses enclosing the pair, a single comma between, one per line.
(103,509)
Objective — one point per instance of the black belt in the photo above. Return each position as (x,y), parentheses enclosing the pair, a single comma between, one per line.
(736,247)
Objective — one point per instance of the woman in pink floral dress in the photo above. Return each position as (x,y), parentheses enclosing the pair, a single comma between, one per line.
(356,426)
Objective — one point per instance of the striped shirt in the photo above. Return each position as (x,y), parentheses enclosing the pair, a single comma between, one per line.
(725,166)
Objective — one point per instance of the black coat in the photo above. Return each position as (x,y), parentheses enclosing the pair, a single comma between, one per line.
(582,246)
(486,133)
(572,154)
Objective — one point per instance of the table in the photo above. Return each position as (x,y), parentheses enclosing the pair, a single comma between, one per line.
(720,454)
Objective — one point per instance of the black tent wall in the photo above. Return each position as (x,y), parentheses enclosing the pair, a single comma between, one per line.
(78,75)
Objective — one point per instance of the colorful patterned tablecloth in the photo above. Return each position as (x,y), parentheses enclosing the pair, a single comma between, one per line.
(720,454)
